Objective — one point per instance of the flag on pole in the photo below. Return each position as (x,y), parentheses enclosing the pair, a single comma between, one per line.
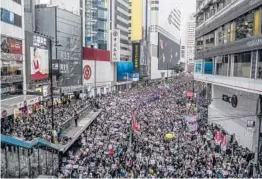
(134,122)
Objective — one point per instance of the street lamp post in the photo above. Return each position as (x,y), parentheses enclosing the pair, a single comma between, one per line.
(51,43)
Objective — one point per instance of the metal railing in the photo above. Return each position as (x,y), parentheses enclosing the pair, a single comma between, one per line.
(20,159)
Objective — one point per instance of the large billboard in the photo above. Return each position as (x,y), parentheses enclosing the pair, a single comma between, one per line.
(37,56)
(68,62)
(136,56)
(39,63)
(124,71)
(168,52)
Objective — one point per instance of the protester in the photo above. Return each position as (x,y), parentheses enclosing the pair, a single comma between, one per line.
(129,139)
(39,123)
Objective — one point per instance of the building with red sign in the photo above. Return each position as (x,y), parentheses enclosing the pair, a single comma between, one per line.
(98,71)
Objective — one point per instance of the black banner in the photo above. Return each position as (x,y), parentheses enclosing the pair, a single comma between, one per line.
(136,56)
(168,52)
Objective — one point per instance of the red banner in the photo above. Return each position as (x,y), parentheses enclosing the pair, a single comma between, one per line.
(11,45)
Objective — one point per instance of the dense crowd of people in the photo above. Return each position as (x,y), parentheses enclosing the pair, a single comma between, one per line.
(128,139)
(39,122)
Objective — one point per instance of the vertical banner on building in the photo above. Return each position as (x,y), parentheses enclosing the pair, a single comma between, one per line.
(136,56)
(115,49)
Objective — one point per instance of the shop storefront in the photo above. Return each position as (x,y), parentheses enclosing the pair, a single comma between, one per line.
(11,67)
(21,105)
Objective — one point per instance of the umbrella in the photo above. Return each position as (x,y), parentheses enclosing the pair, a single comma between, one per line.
(169,136)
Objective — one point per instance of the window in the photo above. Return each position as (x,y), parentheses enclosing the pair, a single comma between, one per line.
(10,17)
(18,20)
(227,29)
(221,65)
(245,26)
(242,65)
(154,9)
(17,1)
(154,2)
(259,65)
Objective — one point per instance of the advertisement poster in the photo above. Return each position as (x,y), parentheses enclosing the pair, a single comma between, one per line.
(124,70)
(168,52)
(115,45)
(136,56)
(11,45)
(39,63)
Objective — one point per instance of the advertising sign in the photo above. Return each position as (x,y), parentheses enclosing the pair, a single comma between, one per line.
(136,56)
(115,45)
(135,76)
(11,57)
(124,70)
(39,63)
(11,45)
(87,72)
(168,52)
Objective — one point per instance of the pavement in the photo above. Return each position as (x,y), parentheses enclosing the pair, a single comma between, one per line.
(75,132)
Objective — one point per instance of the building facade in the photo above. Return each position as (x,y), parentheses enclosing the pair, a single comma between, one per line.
(136,20)
(96,19)
(229,58)
(190,42)
(119,18)
(65,29)
(12,48)
(165,20)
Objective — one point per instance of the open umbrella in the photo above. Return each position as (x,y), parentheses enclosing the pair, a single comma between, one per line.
(169,136)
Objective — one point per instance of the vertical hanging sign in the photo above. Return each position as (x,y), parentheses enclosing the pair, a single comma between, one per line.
(115,49)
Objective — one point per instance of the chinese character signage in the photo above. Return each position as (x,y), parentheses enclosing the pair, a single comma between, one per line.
(11,45)
(115,45)
(136,56)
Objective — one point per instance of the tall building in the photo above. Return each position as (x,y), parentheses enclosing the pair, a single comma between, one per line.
(228,59)
(12,48)
(165,20)
(136,20)
(96,19)
(119,17)
(65,29)
(190,42)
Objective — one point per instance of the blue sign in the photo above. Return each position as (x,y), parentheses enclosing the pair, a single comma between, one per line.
(135,76)
(88,38)
(124,70)
(208,68)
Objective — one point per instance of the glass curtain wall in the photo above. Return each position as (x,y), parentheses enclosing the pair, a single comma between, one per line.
(242,65)
(221,65)
(259,65)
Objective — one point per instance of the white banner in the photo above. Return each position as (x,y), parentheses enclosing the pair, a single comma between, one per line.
(191,123)
(115,49)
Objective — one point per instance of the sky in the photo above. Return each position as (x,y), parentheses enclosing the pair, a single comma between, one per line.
(187,8)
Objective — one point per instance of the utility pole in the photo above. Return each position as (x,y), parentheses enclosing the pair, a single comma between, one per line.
(51,80)
(146,35)
(167,71)
(257,143)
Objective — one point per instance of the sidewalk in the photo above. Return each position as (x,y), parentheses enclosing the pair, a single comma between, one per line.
(75,132)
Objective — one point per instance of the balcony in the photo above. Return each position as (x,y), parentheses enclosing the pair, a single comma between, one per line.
(244,84)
